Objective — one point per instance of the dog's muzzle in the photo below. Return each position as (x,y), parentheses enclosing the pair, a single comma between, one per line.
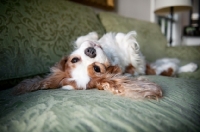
(91,52)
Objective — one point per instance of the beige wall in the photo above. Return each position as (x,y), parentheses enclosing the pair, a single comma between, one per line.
(140,9)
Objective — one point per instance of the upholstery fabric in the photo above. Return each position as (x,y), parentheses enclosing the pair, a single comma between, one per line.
(186,54)
(34,34)
(94,110)
(152,42)
(191,53)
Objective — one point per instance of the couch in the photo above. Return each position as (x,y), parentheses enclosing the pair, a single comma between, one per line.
(35,34)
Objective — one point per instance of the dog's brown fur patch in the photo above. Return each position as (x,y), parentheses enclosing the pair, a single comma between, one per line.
(169,72)
(130,69)
(149,70)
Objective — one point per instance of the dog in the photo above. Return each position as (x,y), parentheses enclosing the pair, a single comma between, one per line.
(73,72)
(111,50)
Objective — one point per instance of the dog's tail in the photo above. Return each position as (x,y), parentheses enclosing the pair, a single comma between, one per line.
(28,85)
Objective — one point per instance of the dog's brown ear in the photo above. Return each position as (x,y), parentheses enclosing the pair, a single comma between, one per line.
(62,63)
(28,85)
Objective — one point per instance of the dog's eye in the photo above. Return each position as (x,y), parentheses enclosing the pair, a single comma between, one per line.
(97,69)
(74,60)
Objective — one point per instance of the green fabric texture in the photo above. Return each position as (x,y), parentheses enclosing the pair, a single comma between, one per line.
(94,110)
(191,53)
(152,42)
(34,34)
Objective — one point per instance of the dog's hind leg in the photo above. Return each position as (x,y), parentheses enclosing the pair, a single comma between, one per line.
(191,67)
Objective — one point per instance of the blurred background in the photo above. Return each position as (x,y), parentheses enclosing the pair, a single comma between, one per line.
(185,24)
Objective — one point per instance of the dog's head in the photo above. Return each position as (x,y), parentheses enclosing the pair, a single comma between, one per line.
(72,70)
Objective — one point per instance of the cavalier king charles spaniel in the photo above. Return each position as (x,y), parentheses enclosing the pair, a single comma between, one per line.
(103,63)
(72,71)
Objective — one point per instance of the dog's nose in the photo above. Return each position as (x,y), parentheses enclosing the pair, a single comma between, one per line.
(91,52)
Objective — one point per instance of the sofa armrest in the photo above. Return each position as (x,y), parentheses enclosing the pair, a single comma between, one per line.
(191,53)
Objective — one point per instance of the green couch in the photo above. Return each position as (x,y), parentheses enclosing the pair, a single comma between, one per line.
(34,34)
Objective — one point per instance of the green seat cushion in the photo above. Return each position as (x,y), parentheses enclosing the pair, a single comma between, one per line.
(190,53)
(94,110)
(152,42)
(34,34)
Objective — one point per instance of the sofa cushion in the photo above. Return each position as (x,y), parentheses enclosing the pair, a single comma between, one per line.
(34,34)
(191,53)
(93,110)
(152,42)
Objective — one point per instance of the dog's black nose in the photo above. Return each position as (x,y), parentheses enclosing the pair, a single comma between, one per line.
(91,52)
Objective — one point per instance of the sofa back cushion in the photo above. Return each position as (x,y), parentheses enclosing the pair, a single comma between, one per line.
(152,42)
(34,34)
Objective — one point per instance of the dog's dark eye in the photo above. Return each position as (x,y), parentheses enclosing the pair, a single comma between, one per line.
(74,60)
(97,69)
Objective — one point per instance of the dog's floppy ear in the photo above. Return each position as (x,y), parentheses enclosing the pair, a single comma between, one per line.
(51,81)
(62,63)
(122,85)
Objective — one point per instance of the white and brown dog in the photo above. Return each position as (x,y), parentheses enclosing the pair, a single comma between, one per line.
(100,63)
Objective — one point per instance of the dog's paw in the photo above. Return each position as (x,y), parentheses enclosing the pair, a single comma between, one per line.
(67,87)
(191,67)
